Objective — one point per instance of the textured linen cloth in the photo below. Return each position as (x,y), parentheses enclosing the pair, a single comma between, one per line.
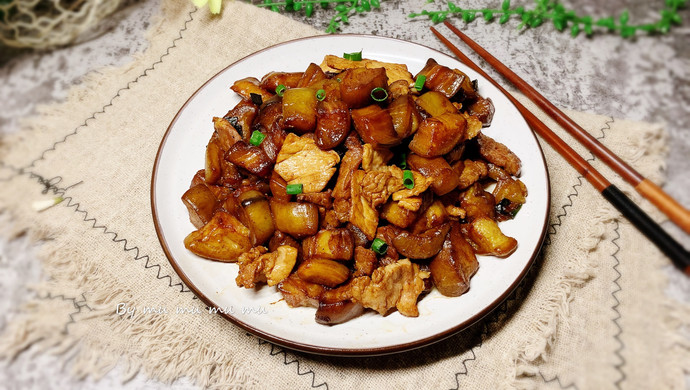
(591,314)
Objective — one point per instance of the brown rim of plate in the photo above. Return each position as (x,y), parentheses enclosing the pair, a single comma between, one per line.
(326,350)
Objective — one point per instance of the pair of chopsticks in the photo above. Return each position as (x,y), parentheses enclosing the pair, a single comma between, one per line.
(676,212)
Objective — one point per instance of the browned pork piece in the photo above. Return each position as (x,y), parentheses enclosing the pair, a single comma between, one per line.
(396,285)
(260,266)
(499,154)
(300,161)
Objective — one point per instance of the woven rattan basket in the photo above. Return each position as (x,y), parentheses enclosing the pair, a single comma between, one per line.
(44,24)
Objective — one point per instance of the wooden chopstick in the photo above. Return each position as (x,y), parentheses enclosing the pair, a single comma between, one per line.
(664,202)
(678,255)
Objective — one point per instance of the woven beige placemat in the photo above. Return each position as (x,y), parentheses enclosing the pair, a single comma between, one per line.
(590,315)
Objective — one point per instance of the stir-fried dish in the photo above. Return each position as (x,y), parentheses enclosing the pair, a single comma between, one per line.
(355,185)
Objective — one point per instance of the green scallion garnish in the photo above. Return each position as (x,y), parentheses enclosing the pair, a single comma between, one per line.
(408,179)
(294,189)
(379,246)
(419,82)
(379,94)
(280,89)
(320,94)
(403,161)
(256,138)
(357,56)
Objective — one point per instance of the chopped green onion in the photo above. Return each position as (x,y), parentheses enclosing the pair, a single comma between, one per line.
(338,79)
(419,83)
(403,161)
(320,95)
(357,56)
(514,213)
(379,246)
(408,179)
(379,94)
(294,189)
(256,138)
(280,90)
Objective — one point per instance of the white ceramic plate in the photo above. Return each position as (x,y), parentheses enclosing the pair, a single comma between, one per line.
(262,311)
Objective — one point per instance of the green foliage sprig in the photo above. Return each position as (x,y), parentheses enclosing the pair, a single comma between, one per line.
(344,9)
(562,19)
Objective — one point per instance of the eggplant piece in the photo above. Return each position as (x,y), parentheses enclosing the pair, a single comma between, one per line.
(438,135)
(467,87)
(339,312)
(332,124)
(280,239)
(325,272)
(488,239)
(509,194)
(237,122)
(299,109)
(311,76)
(478,203)
(296,219)
(406,118)
(298,292)
(331,88)
(423,245)
(375,125)
(445,177)
(249,88)
(454,265)
(231,176)
(398,88)
(441,79)
(435,215)
(214,157)
(483,109)
(278,187)
(270,117)
(252,158)
(223,238)
(201,204)
(272,80)
(334,244)
(356,85)
(273,142)
(435,104)
(257,215)
(398,216)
